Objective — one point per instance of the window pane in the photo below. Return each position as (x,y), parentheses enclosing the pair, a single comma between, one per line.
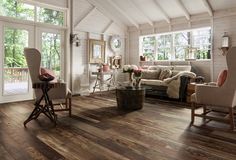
(50,16)
(202,42)
(182,39)
(12,8)
(148,47)
(163,54)
(164,41)
(15,68)
(51,52)
(180,52)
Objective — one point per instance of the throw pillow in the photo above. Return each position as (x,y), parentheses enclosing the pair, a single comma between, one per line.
(150,74)
(48,73)
(165,74)
(222,77)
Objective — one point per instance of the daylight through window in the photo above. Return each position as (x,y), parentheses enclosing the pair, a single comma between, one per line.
(192,44)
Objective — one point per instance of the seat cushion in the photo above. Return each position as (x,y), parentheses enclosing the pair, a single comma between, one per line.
(222,77)
(153,82)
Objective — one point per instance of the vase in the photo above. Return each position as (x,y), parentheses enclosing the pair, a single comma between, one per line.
(130,79)
(137,82)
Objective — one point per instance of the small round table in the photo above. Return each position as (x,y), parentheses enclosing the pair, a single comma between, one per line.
(130,98)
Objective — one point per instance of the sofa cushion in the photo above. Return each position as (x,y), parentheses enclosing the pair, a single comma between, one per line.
(153,82)
(150,74)
(182,68)
(165,74)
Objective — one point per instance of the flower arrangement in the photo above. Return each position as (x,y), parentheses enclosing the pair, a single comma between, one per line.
(129,68)
(137,73)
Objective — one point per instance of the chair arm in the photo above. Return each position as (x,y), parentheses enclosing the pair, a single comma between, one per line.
(214,95)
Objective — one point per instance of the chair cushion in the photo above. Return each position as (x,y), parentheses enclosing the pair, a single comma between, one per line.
(165,74)
(150,74)
(222,77)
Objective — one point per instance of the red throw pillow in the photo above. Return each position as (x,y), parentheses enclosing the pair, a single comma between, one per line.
(222,77)
(47,74)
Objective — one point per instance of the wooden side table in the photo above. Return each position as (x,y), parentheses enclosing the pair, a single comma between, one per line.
(190,91)
(130,98)
(47,107)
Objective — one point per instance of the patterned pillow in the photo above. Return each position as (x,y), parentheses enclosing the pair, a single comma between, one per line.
(165,74)
(150,74)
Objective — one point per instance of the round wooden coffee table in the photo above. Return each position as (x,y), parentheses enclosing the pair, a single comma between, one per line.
(130,98)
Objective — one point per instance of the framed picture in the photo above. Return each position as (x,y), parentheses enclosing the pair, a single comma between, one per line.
(115,62)
(96,51)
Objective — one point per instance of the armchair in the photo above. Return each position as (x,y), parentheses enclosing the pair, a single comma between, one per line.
(33,59)
(220,97)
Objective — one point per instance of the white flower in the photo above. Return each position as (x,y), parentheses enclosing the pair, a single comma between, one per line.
(134,67)
(126,68)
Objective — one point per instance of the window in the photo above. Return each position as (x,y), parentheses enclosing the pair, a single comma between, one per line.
(12,8)
(163,47)
(24,11)
(148,47)
(193,44)
(50,16)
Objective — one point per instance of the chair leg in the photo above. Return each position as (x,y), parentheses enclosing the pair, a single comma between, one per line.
(204,112)
(70,107)
(231,118)
(192,112)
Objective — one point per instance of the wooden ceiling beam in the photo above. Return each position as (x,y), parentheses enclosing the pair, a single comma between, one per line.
(123,13)
(149,21)
(208,7)
(164,14)
(183,8)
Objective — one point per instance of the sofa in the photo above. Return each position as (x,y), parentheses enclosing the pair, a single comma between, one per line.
(167,80)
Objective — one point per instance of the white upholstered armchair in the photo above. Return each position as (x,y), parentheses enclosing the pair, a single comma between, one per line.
(223,97)
(33,58)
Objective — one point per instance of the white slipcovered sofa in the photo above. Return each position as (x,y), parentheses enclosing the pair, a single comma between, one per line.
(168,78)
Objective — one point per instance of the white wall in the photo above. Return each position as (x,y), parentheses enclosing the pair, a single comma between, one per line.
(221,25)
(90,23)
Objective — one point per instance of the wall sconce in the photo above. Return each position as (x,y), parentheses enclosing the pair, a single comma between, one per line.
(74,38)
(225,44)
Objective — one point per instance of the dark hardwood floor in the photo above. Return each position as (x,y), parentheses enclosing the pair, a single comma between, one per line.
(98,131)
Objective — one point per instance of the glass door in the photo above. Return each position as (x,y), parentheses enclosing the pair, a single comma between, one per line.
(15,81)
(51,45)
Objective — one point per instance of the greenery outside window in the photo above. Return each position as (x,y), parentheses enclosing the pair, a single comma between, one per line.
(148,47)
(164,47)
(24,11)
(15,9)
(50,16)
(193,44)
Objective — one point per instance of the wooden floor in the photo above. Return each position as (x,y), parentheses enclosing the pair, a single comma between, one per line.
(98,131)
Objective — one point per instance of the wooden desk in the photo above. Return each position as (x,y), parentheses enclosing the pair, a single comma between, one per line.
(47,107)
(100,81)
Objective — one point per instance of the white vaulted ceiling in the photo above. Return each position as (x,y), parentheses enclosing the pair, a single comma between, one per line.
(133,12)
(99,15)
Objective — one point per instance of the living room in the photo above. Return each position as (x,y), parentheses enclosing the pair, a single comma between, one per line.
(127,79)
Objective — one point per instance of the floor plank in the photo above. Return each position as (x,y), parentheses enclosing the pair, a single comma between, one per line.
(99,131)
